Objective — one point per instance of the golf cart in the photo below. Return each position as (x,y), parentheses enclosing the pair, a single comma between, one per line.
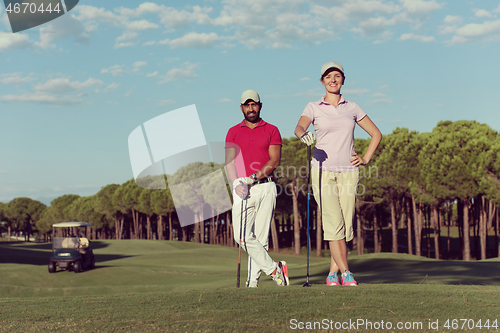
(69,250)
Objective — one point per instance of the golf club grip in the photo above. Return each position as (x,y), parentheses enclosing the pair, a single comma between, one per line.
(238,278)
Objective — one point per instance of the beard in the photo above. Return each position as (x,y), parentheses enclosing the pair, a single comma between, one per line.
(252,117)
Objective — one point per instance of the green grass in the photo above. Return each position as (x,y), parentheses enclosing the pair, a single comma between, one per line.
(141,285)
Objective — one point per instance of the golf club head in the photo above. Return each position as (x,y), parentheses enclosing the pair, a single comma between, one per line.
(306,284)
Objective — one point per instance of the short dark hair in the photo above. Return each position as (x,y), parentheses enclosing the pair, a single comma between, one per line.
(331,69)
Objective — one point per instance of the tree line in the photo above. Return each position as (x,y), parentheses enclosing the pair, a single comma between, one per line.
(417,187)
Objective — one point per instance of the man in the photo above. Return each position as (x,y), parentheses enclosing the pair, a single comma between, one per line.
(253,151)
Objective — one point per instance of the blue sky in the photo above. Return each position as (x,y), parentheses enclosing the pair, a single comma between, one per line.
(73,89)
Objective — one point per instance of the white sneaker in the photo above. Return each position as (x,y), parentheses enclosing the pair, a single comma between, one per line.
(281,276)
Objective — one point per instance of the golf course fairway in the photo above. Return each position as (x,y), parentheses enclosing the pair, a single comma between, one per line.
(170,286)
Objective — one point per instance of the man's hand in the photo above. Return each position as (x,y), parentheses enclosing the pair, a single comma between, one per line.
(240,186)
(307,138)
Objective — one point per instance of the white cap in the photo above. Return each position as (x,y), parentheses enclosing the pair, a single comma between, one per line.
(331,64)
(250,94)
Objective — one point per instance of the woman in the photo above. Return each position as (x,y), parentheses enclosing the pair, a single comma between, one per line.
(335,171)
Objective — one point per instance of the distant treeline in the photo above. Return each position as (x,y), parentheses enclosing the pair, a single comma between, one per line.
(416,184)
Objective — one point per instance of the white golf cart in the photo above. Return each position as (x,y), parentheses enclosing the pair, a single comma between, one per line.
(69,250)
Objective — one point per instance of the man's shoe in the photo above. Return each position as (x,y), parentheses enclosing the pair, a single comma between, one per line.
(332,279)
(252,284)
(281,276)
(348,279)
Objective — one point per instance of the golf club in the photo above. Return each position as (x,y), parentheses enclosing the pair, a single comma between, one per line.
(239,247)
(307,284)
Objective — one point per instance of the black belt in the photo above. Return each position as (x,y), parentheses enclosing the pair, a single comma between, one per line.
(264,180)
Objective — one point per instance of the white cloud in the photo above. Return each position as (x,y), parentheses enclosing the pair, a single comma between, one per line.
(169,17)
(116,70)
(419,38)
(139,64)
(287,33)
(312,93)
(166,102)
(473,32)
(193,39)
(111,87)
(144,8)
(452,19)
(378,95)
(155,73)
(225,100)
(41,98)
(64,27)
(15,79)
(420,6)
(141,25)
(305,79)
(374,26)
(65,86)
(127,35)
(482,13)
(10,41)
(186,72)
(120,45)
(97,14)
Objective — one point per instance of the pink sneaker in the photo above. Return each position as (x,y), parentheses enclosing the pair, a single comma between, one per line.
(332,279)
(348,279)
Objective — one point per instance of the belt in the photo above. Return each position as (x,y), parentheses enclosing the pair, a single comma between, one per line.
(264,180)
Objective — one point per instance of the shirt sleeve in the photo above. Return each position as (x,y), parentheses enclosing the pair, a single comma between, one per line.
(308,112)
(275,136)
(230,139)
(358,112)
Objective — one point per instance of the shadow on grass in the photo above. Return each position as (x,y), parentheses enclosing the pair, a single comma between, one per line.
(428,271)
(39,254)
(404,271)
(85,270)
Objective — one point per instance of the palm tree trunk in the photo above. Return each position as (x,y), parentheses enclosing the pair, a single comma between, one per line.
(417,226)
(435,220)
(274,235)
(394,227)
(482,227)
(360,234)
(408,227)
(466,231)
(296,218)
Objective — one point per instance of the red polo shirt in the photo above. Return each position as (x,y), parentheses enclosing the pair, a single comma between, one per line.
(253,145)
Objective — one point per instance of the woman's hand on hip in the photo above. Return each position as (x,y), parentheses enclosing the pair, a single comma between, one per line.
(357,160)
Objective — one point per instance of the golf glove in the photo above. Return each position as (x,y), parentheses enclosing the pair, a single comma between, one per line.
(243,182)
(308,138)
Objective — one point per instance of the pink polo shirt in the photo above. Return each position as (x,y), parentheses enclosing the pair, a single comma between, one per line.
(253,144)
(334,128)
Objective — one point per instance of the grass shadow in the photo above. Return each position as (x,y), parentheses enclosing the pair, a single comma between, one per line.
(393,270)
(39,254)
